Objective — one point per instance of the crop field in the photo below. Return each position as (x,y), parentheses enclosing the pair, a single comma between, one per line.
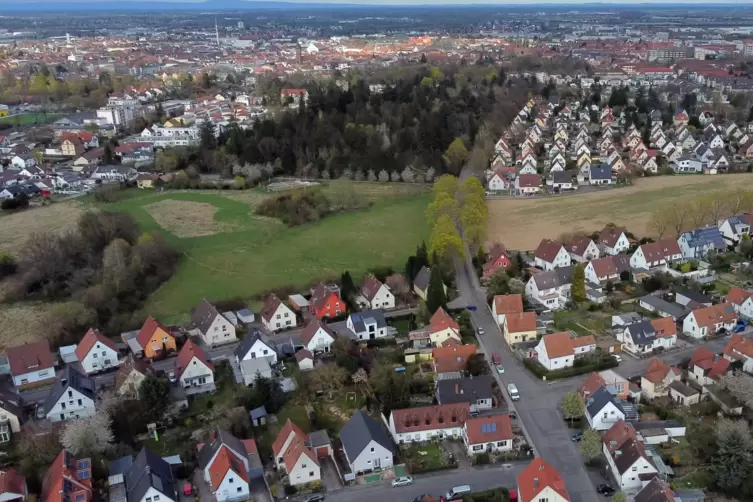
(521,223)
(25,119)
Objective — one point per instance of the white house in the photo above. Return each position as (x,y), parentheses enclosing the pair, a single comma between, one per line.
(366,445)
(555,351)
(656,254)
(317,337)
(154,478)
(490,434)
(734,227)
(708,321)
(609,268)
(256,346)
(644,336)
(227,464)
(214,328)
(742,301)
(550,255)
(613,241)
(31,364)
(540,482)
(292,453)
(498,183)
(627,457)
(413,425)
(376,295)
(583,249)
(23,161)
(275,315)
(71,397)
(698,243)
(95,352)
(552,288)
(603,409)
(687,164)
(367,325)
(193,370)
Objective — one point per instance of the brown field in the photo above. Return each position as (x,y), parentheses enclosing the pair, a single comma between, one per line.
(184,218)
(16,228)
(521,223)
(22,322)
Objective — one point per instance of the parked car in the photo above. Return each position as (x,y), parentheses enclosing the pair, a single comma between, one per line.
(605,490)
(316,497)
(402,481)
(480,330)
(500,369)
(577,436)
(496,359)
(617,358)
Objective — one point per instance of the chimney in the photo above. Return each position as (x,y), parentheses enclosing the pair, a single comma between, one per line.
(457,389)
(617,453)
(536,483)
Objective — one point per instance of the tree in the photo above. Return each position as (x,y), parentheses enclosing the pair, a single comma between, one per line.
(207,137)
(328,379)
(455,156)
(347,287)
(266,392)
(499,284)
(446,183)
(746,245)
(590,444)
(619,497)
(475,365)
(154,393)
(445,242)
(442,204)
(578,290)
(397,283)
(573,406)
(88,436)
(740,385)
(471,188)
(435,294)
(734,459)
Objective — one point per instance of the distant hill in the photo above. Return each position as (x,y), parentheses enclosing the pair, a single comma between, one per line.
(126,6)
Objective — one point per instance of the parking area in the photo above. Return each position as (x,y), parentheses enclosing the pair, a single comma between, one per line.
(330,476)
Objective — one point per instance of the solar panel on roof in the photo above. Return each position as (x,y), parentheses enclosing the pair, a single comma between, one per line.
(83,464)
(486,428)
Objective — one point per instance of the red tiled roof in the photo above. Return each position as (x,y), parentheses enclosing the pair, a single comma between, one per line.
(441,416)
(29,357)
(478,431)
(529,181)
(441,320)
(538,476)
(604,267)
(507,304)
(370,287)
(703,358)
(311,328)
(287,429)
(558,345)
(738,296)
(710,316)
(520,322)
(64,467)
(593,383)
(12,482)
(579,244)
(548,250)
(224,461)
(664,327)
(90,339)
(657,370)
(270,307)
(150,326)
(453,358)
(186,355)
(619,434)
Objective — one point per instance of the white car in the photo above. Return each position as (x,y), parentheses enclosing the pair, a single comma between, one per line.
(617,358)
(402,481)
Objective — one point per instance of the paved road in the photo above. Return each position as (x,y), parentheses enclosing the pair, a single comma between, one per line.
(434,484)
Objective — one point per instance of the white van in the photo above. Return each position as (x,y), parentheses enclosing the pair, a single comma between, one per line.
(457,492)
(513,391)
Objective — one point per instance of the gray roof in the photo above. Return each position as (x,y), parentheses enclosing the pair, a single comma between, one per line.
(120,465)
(318,438)
(69,378)
(554,278)
(11,404)
(630,452)
(694,296)
(361,319)
(599,399)
(249,340)
(259,412)
(204,316)
(642,332)
(673,309)
(359,431)
(601,172)
(464,390)
(683,389)
(421,281)
(562,176)
(149,471)
(221,438)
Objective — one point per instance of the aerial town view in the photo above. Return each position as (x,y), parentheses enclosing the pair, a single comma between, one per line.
(368,250)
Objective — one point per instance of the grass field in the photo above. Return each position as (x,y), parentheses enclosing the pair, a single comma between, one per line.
(521,223)
(25,119)
(231,253)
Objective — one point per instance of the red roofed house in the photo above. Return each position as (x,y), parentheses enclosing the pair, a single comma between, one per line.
(527,184)
(276,315)
(502,305)
(593,383)
(613,240)
(496,259)
(67,480)
(154,338)
(626,457)
(376,295)
(452,359)
(442,327)
(228,463)
(657,378)
(95,352)
(708,321)
(558,350)
(656,254)
(742,301)
(681,117)
(520,327)
(428,422)
(606,269)
(193,370)
(488,434)
(583,249)
(31,364)
(72,146)
(705,367)
(540,481)
(550,255)
(740,349)
(325,302)
(12,486)
(292,455)
(317,337)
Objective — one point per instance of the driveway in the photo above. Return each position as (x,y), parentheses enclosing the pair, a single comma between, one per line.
(259,490)
(458,452)
(330,476)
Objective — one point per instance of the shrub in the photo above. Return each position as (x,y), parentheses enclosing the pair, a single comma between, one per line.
(8,265)
(296,208)
(581,367)
(482,459)
(107,193)
(290,490)
(20,202)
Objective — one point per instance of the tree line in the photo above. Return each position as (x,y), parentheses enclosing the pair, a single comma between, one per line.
(678,217)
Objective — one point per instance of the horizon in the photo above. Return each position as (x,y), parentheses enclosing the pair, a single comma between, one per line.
(396,3)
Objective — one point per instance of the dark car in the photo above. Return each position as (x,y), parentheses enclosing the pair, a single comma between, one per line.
(316,497)
(577,436)
(605,490)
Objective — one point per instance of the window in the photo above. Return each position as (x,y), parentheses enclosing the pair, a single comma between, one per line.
(372,449)
(216,328)
(231,480)
(544,500)
(79,403)
(239,489)
(287,314)
(478,447)
(104,353)
(149,499)
(265,352)
(635,468)
(303,465)
(311,474)
(164,339)
(95,355)
(278,316)
(156,498)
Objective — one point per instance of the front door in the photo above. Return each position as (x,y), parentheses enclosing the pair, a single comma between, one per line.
(377,463)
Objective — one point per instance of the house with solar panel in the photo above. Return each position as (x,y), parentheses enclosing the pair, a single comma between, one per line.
(367,325)
(68,479)
(491,434)
(71,396)
(698,243)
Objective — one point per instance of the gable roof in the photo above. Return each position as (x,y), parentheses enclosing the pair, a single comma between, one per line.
(29,357)
(605,267)
(359,431)
(147,331)
(489,429)
(710,316)
(370,287)
(441,320)
(249,340)
(91,338)
(558,345)
(593,382)
(440,416)
(655,491)
(521,321)
(507,304)
(271,304)
(287,429)
(664,327)
(454,358)
(421,281)
(660,250)
(360,319)
(630,451)
(12,482)
(223,462)
(558,277)
(462,390)
(601,172)
(536,477)
(186,355)
(313,326)
(149,471)
(65,467)
(658,370)
(618,434)
(599,399)
(321,295)
(738,295)
(73,379)
(204,315)
(548,250)
(642,332)
(579,244)
(706,236)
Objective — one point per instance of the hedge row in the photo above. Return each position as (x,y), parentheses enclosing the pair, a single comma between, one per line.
(581,369)
(493,495)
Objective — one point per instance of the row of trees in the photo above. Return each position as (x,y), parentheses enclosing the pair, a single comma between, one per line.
(679,217)
(442,214)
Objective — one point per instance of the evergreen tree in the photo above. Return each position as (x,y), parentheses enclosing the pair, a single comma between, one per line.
(206,135)
(347,288)
(579,284)
(435,296)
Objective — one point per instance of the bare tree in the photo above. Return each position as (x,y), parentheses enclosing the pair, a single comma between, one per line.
(328,379)
(699,210)
(399,285)
(718,207)
(659,223)
(384,176)
(88,435)
(677,215)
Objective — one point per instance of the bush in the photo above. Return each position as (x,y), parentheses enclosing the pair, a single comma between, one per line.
(581,367)
(291,490)
(8,265)
(20,202)
(297,208)
(107,193)
(482,459)
(493,495)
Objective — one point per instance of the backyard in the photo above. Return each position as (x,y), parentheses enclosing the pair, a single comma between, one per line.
(25,119)
(520,223)
(426,457)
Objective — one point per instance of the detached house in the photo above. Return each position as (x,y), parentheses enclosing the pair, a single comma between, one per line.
(607,269)
(541,482)
(492,434)
(740,349)
(627,458)
(31,364)
(552,288)
(496,259)
(742,301)
(705,367)
(228,463)
(193,370)
(657,377)
(256,346)
(701,242)
(150,478)
(325,302)
(656,254)
(502,305)
(708,321)
(550,255)
(443,328)
(645,336)
(317,337)
(292,455)
(527,184)
(71,397)
(68,479)
(583,249)
(376,295)
(476,391)
(413,425)
(366,445)
(603,409)
(155,338)
(95,352)
(735,227)
(214,328)
(613,241)
(275,315)
(558,350)
(367,325)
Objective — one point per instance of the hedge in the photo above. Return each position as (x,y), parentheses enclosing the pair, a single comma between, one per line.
(493,495)
(414,469)
(580,369)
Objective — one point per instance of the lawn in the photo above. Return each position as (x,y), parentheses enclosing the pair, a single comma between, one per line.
(581,322)
(231,253)
(521,223)
(426,457)
(702,478)
(224,394)
(26,119)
